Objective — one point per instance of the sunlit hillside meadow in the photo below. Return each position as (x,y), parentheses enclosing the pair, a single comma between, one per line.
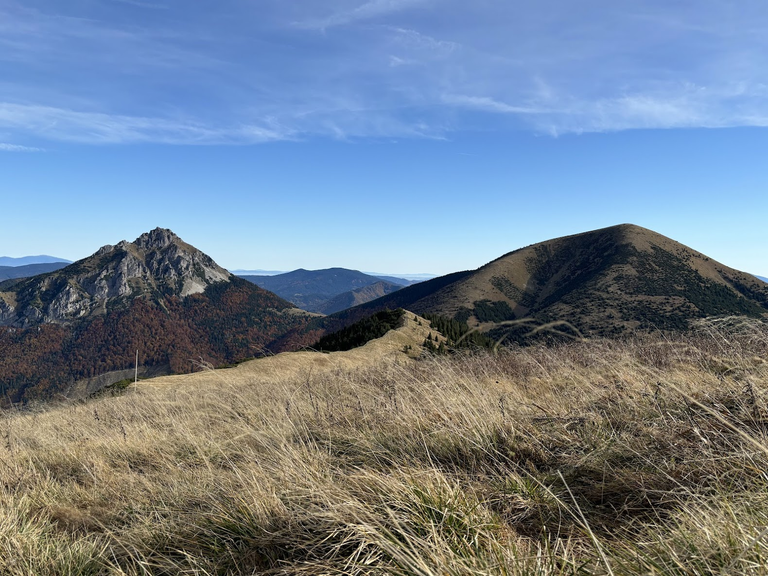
(645,456)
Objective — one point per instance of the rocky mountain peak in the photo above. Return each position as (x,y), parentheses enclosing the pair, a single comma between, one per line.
(156,239)
(106,249)
(156,266)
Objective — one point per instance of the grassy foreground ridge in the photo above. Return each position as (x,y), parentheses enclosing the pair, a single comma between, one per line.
(644,456)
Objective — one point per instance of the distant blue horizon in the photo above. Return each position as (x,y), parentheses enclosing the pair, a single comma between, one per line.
(407,276)
(45,259)
(42,259)
(26,260)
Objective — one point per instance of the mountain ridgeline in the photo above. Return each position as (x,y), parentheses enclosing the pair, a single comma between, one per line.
(157,295)
(330,290)
(608,282)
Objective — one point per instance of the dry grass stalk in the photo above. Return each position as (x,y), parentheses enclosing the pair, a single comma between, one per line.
(644,457)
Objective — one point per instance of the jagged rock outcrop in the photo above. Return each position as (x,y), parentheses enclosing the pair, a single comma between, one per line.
(157,264)
(6,312)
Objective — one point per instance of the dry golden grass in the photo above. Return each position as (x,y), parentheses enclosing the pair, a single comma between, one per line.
(644,457)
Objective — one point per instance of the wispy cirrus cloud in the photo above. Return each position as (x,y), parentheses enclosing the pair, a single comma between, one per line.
(487,104)
(423,44)
(676,107)
(5,147)
(381,68)
(61,124)
(140,4)
(343,123)
(363,11)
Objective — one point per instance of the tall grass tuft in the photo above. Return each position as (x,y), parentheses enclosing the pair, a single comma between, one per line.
(644,456)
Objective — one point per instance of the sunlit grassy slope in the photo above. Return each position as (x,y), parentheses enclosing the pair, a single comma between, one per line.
(608,282)
(637,457)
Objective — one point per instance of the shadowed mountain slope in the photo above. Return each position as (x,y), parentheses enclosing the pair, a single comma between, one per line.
(605,282)
(357,297)
(312,289)
(157,295)
(401,281)
(316,328)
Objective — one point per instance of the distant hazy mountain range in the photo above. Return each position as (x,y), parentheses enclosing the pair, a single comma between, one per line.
(64,330)
(356,297)
(26,260)
(257,272)
(763,278)
(609,282)
(411,278)
(25,271)
(330,290)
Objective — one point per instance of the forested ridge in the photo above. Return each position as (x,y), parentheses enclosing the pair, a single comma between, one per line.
(229,322)
(361,332)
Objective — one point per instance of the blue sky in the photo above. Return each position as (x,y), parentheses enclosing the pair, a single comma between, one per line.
(388,135)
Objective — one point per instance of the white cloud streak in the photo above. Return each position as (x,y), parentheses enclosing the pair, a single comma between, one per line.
(487,104)
(674,109)
(51,123)
(5,147)
(98,128)
(413,40)
(140,4)
(366,11)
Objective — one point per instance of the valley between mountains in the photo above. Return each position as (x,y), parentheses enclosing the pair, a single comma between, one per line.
(73,330)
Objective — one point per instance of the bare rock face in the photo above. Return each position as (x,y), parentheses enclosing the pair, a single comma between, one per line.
(158,264)
(68,303)
(157,239)
(7,312)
